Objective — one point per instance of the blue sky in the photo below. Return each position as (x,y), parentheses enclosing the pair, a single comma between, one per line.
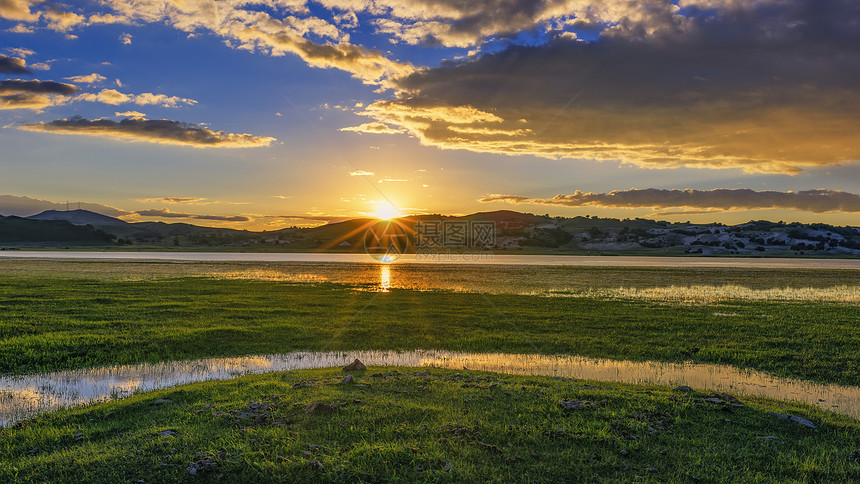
(269,114)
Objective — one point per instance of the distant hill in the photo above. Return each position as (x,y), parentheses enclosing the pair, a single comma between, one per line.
(514,231)
(78,217)
(22,230)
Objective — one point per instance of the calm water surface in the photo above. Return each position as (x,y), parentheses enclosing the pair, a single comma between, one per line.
(23,396)
(493,259)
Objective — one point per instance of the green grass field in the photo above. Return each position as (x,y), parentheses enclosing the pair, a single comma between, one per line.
(50,324)
(401,426)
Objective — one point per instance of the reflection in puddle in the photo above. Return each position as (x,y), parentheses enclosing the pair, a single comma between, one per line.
(22,396)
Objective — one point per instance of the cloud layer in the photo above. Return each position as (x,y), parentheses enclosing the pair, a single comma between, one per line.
(151,130)
(165,213)
(817,201)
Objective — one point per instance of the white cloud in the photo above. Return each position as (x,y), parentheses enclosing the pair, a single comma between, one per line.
(88,79)
(21,52)
(114,97)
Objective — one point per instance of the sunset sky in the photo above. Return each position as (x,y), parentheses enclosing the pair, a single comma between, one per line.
(260,115)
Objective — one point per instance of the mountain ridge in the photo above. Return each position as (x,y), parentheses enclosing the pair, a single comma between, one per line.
(513,231)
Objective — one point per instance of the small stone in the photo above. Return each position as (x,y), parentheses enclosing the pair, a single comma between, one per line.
(356,365)
(192,469)
(318,407)
(651,469)
(624,452)
(79,437)
(770,437)
(713,400)
(780,416)
(207,407)
(317,464)
(802,421)
(167,432)
(347,379)
(573,405)
(162,400)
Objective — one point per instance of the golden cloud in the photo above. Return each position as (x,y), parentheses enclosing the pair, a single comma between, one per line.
(152,131)
(114,97)
(372,128)
(256,30)
(18,10)
(88,79)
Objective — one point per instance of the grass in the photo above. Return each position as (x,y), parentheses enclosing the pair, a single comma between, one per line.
(420,425)
(58,323)
(399,425)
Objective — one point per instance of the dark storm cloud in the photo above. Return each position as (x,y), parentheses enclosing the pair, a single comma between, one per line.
(761,86)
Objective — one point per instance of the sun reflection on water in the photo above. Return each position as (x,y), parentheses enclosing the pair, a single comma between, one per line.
(384,278)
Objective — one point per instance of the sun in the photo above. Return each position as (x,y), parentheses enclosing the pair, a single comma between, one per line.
(386,211)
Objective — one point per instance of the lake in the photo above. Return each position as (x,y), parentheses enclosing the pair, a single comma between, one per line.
(473,258)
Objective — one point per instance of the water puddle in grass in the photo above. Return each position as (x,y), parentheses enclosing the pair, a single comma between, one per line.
(24,396)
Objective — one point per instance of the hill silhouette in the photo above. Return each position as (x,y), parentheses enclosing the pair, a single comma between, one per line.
(17,230)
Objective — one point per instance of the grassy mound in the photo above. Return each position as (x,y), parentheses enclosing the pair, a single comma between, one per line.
(429,425)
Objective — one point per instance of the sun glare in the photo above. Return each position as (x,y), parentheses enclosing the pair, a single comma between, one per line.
(386,211)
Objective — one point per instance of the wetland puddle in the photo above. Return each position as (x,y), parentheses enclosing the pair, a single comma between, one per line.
(23,396)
